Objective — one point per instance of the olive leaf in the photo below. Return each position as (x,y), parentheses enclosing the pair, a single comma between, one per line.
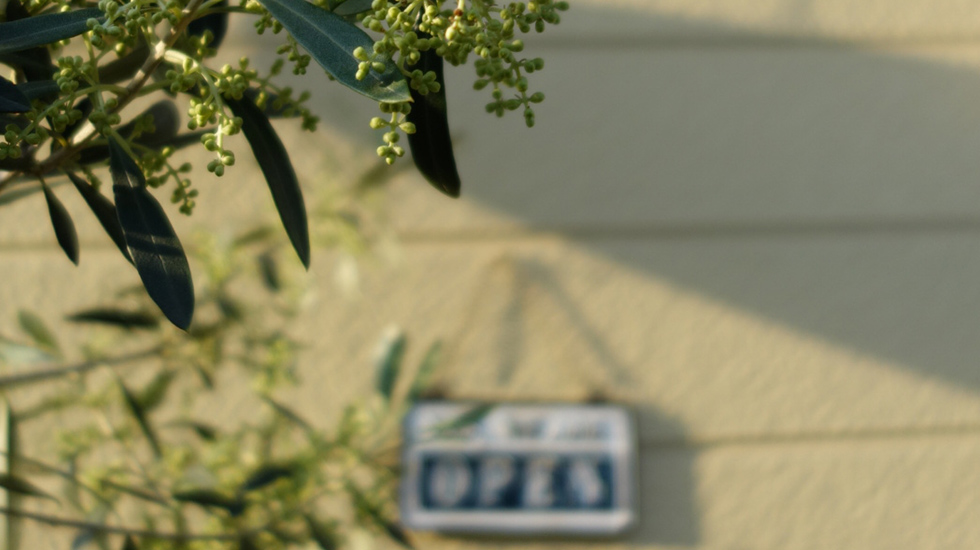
(331,41)
(37,330)
(115,317)
(424,373)
(38,89)
(431,144)
(126,66)
(152,395)
(139,413)
(130,543)
(322,533)
(64,227)
(278,170)
(209,498)
(353,7)
(391,351)
(12,100)
(45,29)
(372,512)
(467,418)
(152,243)
(35,62)
(104,211)
(266,475)
(21,486)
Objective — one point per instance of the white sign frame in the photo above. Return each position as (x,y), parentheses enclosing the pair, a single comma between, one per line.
(573,433)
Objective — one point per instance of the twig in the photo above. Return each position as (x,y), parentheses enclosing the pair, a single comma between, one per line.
(119,530)
(56,372)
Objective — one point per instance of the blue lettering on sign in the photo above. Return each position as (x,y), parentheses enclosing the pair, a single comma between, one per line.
(509,482)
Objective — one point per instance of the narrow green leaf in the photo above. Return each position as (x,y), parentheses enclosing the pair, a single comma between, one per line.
(424,375)
(45,29)
(35,327)
(116,317)
(38,64)
(38,89)
(431,144)
(140,415)
(204,431)
(130,543)
(373,513)
(104,211)
(12,100)
(152,243)
(288,413)
(468,418)
(126,66)
(266,475)
(323,534)
(64,227)
(154,392)
(391,351)
(353,7)
(20,486)
(269,271)
(331,41)
(209,498)
(278,170)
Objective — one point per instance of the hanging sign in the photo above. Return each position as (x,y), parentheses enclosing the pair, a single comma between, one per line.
(544,469)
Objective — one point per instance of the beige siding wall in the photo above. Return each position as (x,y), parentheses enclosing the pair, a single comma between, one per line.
(755,222)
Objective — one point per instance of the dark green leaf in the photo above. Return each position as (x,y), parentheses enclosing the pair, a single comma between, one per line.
(331,41)
(468,418)
(140,415)
(246,542)
(205,432)
(24,61)
(152,243)
(20,486)
(372,512)
(12,100)
(45,29)
(209,498)
(269,271)
(424,374)
(289,414)
(267,475)
(216,22)
(116,317)
(278,171)
(154,392)
(130,543)
(37,330)
(35,90)
(323,534)
(431,144)
(353,7)
(64,228)
(104,211)
(124,67)
(37,63)
(388,363)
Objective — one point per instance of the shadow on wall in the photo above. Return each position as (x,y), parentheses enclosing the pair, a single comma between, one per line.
(831,187)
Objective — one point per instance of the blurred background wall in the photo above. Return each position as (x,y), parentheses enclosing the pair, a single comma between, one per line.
(756,223)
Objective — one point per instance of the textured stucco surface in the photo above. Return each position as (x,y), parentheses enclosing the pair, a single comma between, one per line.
(757,223)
